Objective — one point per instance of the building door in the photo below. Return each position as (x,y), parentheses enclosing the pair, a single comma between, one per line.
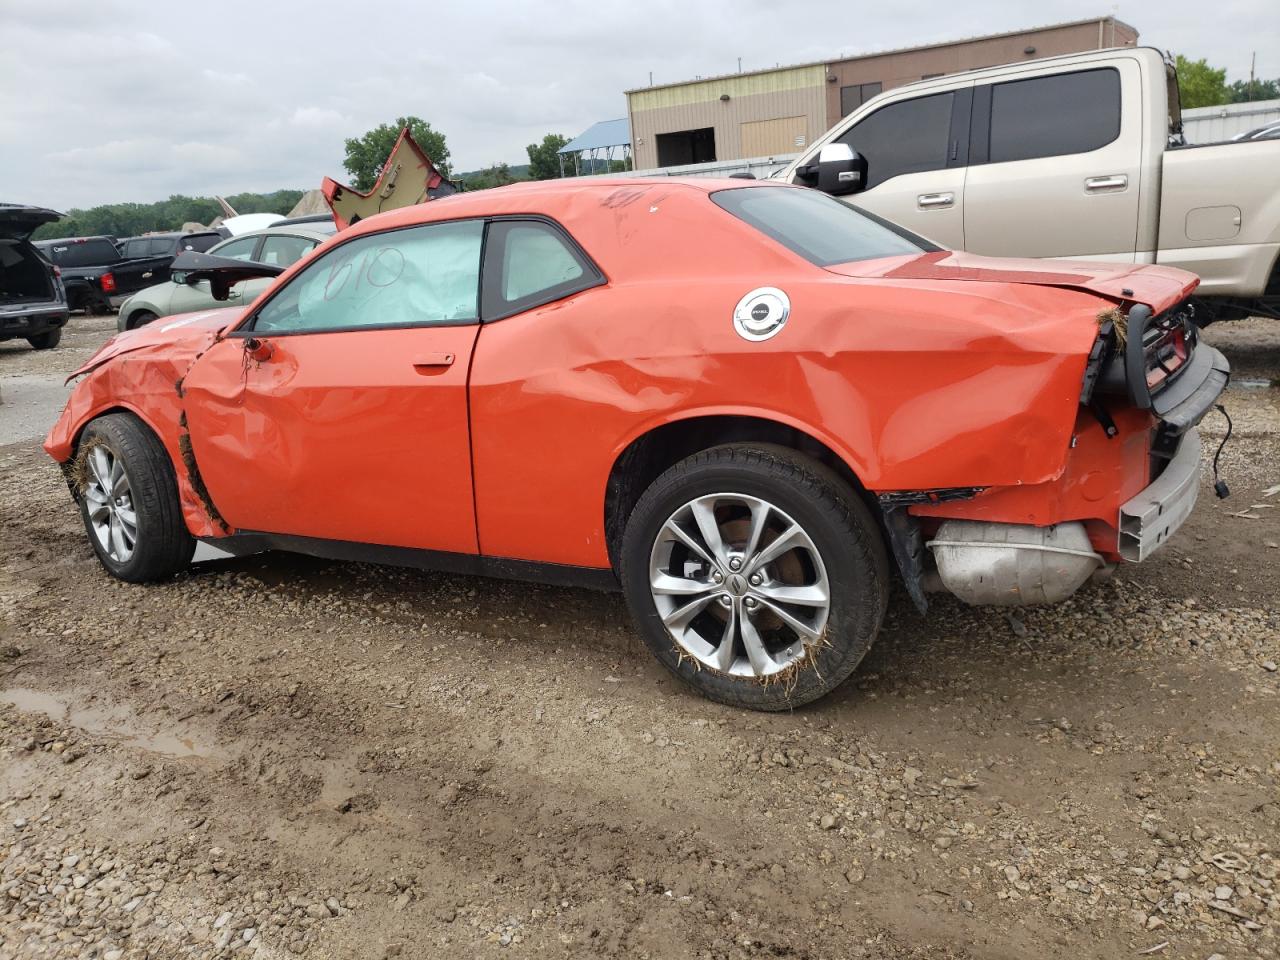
(686,146)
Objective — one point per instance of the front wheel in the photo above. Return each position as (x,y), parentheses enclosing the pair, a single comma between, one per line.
(139,318)
(129,500)
(756,575)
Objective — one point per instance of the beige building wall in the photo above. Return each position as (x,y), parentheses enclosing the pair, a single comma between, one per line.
(777,94)
(765,113)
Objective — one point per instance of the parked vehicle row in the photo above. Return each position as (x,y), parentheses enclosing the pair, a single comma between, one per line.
(1078,156)
(276,246)
(747,404)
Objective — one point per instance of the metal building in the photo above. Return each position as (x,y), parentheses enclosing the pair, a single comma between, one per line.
(780,111)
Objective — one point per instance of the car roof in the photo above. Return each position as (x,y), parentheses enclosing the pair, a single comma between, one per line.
(549,196)
(100,236)
(291,230)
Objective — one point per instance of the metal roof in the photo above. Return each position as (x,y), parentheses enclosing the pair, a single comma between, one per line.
(606,133)
(870,54)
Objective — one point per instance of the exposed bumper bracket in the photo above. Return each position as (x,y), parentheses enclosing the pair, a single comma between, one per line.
(1152,517)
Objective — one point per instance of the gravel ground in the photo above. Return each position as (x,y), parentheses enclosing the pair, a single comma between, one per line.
(276,756)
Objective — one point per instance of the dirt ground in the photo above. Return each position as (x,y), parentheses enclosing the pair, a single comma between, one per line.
(275,756)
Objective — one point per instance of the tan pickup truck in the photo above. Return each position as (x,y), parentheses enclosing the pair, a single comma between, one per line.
(1079,156)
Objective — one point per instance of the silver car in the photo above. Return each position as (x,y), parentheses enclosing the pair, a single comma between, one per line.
(280,245)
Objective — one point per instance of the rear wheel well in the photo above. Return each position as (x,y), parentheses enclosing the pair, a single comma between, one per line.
(650,455)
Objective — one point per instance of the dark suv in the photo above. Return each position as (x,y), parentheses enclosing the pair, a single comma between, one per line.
(33,304)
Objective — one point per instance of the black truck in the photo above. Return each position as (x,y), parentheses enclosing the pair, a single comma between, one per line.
(97,275)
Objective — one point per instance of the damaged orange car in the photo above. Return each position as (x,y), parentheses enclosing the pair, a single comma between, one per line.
(748,404)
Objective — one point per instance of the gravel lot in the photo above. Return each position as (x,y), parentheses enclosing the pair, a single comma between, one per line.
(277,756)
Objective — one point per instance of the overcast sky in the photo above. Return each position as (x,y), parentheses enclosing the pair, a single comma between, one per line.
(104,101)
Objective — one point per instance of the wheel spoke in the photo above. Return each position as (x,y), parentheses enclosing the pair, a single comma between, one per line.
(119,549)
(704,515)
(667,585)
(680,617)
(814,595)
(674,529)
(788,540)
(759,517)
(129,517)
(117,476)
(100,464)
(726,653)
(801,628)
(757,655)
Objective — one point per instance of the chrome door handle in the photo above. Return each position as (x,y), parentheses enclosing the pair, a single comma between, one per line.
(434,360)
(928,201)
(1116,181)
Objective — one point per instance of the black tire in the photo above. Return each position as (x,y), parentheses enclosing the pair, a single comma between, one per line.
(47,340)
(837,522)
(163,546)
(140,319)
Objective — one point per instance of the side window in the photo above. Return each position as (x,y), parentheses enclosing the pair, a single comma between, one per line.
(1056,115)
(200,242)
(163,247)
(910,136)
(283,250)
(428,274)
(529,263)
(135,249)
(241,249)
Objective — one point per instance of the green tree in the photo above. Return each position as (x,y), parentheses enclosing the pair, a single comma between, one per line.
(131,219)
(1240,91)
(544,158)
(498,175)
(367,154)
(1200,85)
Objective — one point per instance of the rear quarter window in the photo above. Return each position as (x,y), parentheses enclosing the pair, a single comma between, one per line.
(1053,116)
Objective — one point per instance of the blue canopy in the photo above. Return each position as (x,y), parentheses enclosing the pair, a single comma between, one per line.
(606,133)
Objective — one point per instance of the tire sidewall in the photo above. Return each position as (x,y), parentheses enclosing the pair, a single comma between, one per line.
(858,583)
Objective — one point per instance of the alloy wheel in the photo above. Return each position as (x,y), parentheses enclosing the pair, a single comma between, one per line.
(740,586)
(110,504)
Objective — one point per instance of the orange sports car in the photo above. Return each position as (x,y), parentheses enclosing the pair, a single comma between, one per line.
(748,404)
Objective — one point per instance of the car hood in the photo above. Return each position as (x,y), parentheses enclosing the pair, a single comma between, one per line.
(186,333)
(18,221)
(1157,287)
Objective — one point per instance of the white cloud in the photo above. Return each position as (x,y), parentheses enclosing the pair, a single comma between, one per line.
(115,101)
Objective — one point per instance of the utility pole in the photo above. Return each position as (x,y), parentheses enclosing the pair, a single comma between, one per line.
(739,64)
(1253,63)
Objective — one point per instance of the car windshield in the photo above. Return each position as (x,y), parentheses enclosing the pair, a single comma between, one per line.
(818,227)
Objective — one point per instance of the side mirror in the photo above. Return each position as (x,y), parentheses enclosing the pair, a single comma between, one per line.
(841,169)
(178,276)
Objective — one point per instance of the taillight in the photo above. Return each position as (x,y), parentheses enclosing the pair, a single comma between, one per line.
(57,272)
(108,283)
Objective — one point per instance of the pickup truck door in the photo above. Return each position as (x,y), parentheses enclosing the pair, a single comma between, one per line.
(915,148)
(1055,165)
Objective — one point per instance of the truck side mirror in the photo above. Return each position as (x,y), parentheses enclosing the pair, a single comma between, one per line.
(841,169)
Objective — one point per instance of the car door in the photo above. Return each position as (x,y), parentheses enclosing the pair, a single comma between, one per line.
(1055,165)
(915,149)
(339,410)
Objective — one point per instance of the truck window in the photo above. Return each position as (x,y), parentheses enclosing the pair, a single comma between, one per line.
(910,136)
(85,253)
(1056,115)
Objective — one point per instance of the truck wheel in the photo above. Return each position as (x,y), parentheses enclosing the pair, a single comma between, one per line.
(755,575)
(47,340)
(140,319)
(129,500)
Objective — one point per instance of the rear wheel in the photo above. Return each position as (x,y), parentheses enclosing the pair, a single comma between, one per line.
(47,340)
(129,500)
(755,575)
